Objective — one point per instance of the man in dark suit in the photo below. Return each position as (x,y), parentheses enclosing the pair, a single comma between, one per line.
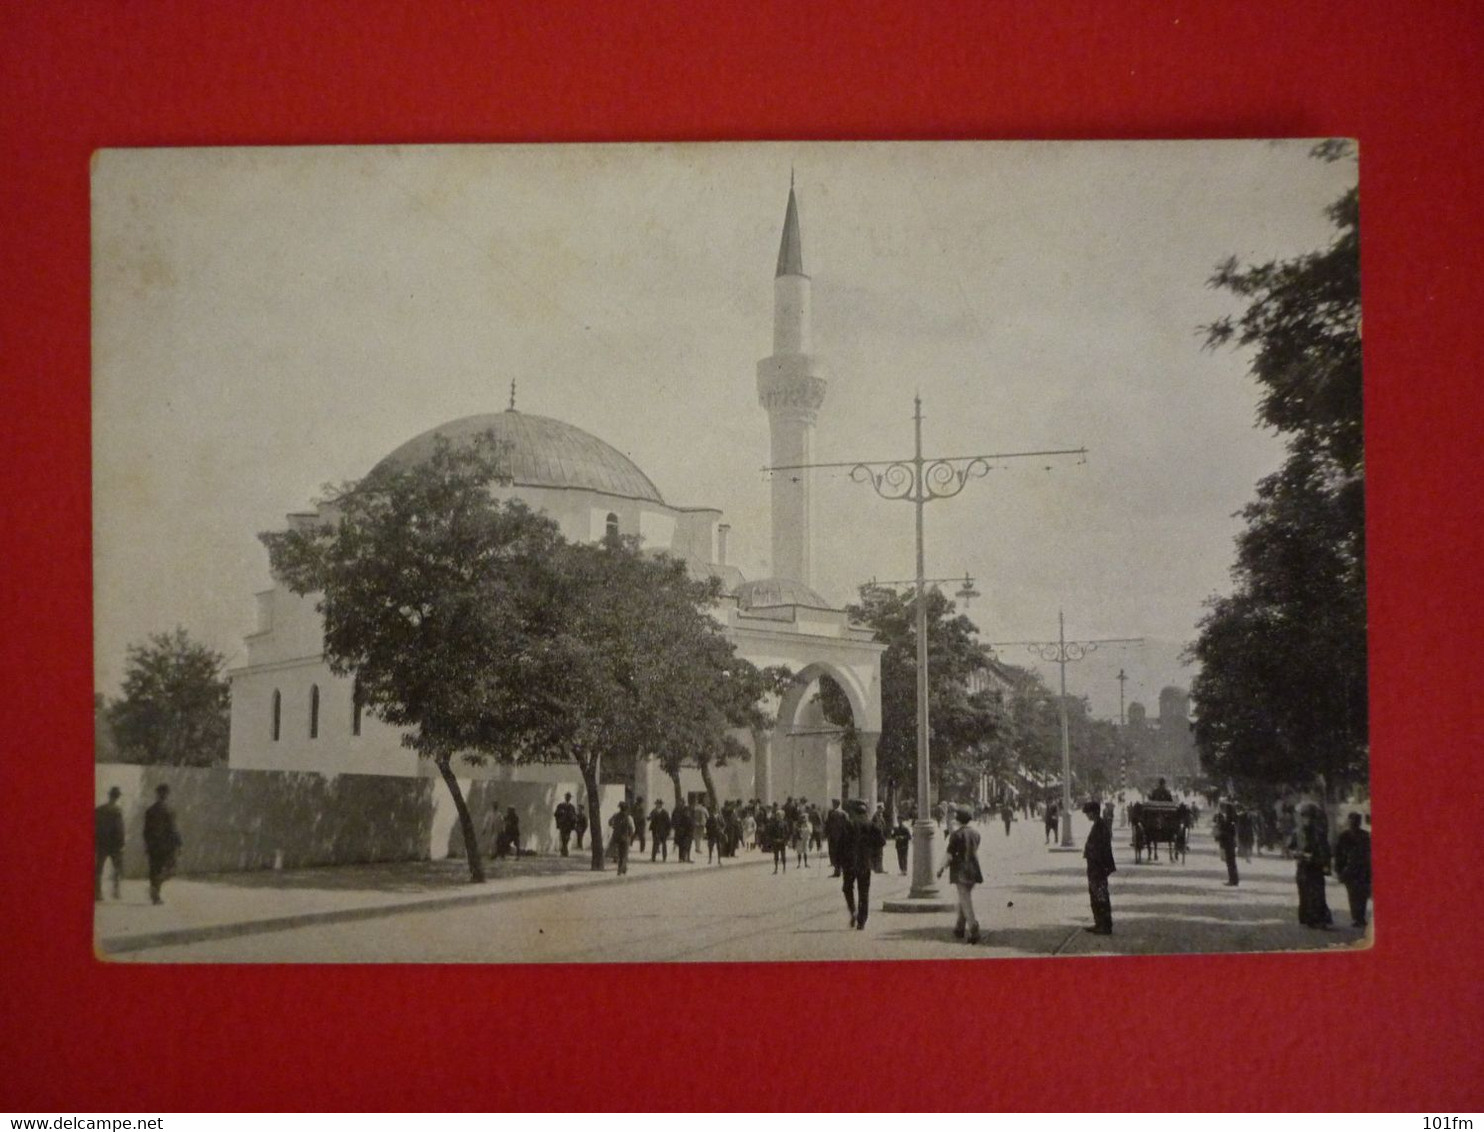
(1225,828)
(1099,855)
(1160,793)
(878,859)
(637,810)
(108,842)
(834,829)
(1353,867)
(566,821)
(161,842)
(861,843)
(683,826)
(659,832)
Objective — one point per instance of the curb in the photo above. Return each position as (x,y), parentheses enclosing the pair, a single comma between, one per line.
(121,945)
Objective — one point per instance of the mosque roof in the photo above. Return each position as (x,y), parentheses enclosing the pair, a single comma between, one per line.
(790,248)
(540,452)
(767,593)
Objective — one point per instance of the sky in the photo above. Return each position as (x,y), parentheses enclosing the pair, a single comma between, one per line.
(270,321)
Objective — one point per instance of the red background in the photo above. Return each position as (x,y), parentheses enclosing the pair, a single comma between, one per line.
(1398,1027)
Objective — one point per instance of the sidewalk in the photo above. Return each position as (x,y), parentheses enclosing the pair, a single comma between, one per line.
(224,905)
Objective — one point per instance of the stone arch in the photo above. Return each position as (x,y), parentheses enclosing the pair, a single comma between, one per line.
(794,761)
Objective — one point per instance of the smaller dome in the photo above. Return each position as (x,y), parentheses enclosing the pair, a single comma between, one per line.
(767,593)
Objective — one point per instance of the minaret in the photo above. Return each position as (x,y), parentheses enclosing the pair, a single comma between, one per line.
(790,386)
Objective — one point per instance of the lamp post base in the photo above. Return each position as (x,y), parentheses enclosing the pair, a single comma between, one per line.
(924,894)
(924,904)
(1066,828)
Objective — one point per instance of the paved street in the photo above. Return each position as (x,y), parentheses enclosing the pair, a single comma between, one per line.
(1034,903)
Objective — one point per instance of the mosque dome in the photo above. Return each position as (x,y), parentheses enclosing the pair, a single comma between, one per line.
(766,593)
(540,452)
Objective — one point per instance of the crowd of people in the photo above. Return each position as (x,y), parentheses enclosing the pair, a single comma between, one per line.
(851,840)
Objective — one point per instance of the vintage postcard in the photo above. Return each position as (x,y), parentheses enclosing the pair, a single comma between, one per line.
(728,552)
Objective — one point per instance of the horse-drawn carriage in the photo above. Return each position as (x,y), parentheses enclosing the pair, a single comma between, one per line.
(1159,823)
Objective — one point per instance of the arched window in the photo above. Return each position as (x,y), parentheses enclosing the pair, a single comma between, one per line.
(611,532)
(277,712)
(355,708)
(314,711)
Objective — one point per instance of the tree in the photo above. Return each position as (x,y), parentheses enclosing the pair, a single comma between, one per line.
(1281,693)
(175,707)
(960,720)
(431,591)
(634,664)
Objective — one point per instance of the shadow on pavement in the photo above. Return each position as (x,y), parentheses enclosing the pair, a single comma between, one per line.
(399,876)
(1038,939)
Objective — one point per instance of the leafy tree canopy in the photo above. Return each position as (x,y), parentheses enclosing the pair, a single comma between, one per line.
(175,707)
(471,622)
(1281,694)
(960,719)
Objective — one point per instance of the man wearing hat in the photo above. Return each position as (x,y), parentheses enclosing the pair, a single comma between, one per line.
(964,871)
(1226,840)
(161,842)
(860,842)
(1353,866)
(834,830)
(108,842)
(1098,853)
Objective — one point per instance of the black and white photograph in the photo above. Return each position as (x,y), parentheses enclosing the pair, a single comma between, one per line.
(728,552)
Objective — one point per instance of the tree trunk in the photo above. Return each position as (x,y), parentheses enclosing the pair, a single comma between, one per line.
(710,786)
(675,778)
(466,822)
(599,844)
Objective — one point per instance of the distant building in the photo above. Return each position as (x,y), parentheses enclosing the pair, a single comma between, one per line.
(1163,747)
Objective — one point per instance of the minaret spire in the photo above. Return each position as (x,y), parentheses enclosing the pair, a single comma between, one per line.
(790,247)
(791,387)
(512,394)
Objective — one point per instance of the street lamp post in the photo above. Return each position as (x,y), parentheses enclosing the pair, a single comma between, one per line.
(1062,651)
(920,481)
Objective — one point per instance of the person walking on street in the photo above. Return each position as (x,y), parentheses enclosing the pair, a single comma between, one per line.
(1098,852)
(861,842)
(1353,867)
(509,840)
(964,872)
(1226,840)
(834,829)
(1311,849)
(637,817)
(682,824)
(1049,817)
(566,822)
(623,833)
(777,828)
(162,842)
(901,836)
(108,842)
(659,832)
(580,826)
(801,841)
(1007,815)
(878,854)
(713,837)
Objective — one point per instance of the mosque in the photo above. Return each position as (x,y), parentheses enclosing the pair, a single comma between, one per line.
(290,713)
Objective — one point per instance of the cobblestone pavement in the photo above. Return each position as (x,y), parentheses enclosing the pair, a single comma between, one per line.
(1034,903)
